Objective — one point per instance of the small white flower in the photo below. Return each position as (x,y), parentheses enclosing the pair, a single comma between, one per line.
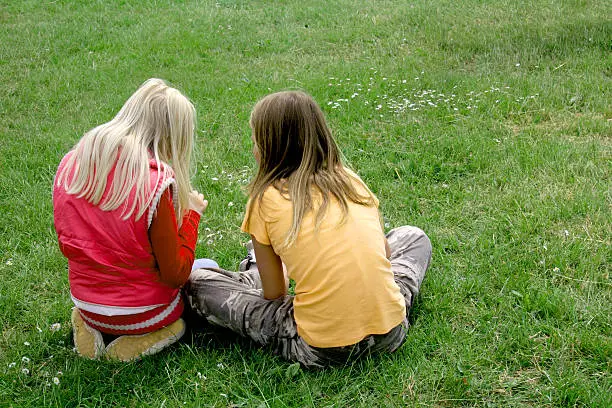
(25,371)
(55,327)
(25,359)
(223,395)
(230,204)
(59,373)
(566,233)
(26,343)
(517,64)
(11,365)
(215,179)
(220,365)
(56,381)
(545,247)
(556,269)
(201,377)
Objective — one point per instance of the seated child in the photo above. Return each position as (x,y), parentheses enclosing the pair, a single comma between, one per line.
(354,286)
(127,220)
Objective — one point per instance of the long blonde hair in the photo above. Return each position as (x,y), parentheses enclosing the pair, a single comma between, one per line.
(298,154)
(158,121)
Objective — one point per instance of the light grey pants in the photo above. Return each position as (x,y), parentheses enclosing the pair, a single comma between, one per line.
(235,301)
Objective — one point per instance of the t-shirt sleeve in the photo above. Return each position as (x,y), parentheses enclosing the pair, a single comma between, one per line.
(254,222)
(362,188)
(376,202)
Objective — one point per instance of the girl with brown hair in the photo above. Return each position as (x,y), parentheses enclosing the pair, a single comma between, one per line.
(315,221)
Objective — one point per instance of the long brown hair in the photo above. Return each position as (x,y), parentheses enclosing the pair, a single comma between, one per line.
(298,154)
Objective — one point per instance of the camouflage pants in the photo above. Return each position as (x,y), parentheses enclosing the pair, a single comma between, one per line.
(235,301)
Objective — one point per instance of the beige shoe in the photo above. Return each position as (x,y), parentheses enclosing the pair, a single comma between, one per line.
(87,340)
(133,347)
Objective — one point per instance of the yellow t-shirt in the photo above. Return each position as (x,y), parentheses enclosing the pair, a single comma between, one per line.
(344,287)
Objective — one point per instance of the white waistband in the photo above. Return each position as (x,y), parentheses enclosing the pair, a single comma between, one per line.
(137,326)
(106,310)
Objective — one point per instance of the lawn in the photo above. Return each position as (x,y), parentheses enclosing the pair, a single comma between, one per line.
(488,124)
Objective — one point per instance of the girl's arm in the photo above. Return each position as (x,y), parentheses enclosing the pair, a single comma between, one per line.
(387,249)
(174,248)
(271,271)
(382,226)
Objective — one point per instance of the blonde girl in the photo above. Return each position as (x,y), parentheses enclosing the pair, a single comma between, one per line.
(309,213)
(127,219)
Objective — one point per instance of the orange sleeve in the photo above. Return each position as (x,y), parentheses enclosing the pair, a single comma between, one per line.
(257,224)
(173,248)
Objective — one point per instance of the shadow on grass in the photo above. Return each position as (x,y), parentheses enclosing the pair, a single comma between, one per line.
(415,310)
(201,334)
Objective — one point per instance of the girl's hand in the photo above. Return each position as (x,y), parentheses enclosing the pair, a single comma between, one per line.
(197,202)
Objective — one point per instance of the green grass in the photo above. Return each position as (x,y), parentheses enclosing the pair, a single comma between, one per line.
(493,135)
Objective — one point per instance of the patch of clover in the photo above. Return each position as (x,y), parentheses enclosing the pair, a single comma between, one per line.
(230,179)
(386,95)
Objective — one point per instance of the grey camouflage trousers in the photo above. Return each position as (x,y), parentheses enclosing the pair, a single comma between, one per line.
(234,300)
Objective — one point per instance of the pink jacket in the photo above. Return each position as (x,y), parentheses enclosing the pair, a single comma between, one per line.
(111,266)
